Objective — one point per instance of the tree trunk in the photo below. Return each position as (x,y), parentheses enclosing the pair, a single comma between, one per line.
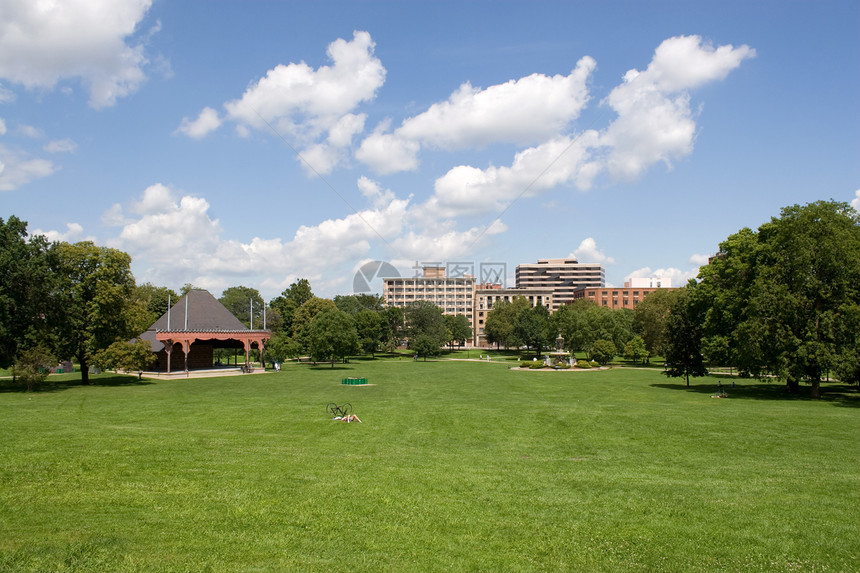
(816,388)
(792,385)
(85,371)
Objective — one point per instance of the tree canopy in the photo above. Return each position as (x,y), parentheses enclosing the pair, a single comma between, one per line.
(425,325)
(331,335)
(25,285)
(240,300)
(785,299)
(93,304)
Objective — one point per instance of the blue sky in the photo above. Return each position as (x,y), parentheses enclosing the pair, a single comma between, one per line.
(251,143)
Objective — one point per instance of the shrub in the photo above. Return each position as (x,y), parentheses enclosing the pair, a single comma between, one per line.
(537,364)
(583,364)
(32,367)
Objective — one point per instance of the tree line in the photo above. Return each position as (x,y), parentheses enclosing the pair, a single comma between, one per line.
(781,301)
(61,301)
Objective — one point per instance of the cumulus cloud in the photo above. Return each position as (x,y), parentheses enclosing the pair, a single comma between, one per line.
(6,96)
(587,252)
(529,110)
(17,169)
(524,111)
(2,126)
(470,190)
(386,153)
(699,260)
(30,131)
(61,146)
(856,201)
(177,240)
(74,233)
(313,107)
(42,43)
(677,277)
(207,122)
(655,122)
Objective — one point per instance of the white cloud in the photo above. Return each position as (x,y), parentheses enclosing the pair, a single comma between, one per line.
(677,277)
(313,107)
(297,98)
(6,96)
(856,201)
(655,123)
(17,169)
(61,146)
(373,192)
(528,110)
(441,243)
(207,122)
(176,241)
(30,131)
(699,260)
(74,233)
(42,43)
(470,190)
(587,252)
(386,153)
(2,126)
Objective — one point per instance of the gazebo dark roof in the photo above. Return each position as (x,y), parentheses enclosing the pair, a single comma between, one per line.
(204,313)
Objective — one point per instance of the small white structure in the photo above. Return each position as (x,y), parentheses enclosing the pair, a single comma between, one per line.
(648,282)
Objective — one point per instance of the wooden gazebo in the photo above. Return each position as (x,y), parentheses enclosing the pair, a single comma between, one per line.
(186,336)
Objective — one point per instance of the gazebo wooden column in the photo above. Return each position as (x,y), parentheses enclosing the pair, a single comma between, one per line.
(189,337)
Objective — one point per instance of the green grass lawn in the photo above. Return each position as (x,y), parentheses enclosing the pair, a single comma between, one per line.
(462,466)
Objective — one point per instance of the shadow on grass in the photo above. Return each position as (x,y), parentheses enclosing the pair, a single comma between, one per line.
(58,383)
(750,389)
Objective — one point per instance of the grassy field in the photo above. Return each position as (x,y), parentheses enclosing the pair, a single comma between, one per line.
(462,466)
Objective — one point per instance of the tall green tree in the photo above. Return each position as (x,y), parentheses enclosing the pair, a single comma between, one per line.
(331,335)
(635,349)
(93,304)
(583,322)
(370,326)
(684,336)
(457,328)
(532,329)
(424,319)
(240,300)
(499,327)
(286,304)
(794,291)
(303,315)
(26,280)
(156,299)
(355,303)
(649,320)
(393,325)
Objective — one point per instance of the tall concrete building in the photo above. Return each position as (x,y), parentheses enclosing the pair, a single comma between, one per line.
(562,276)
(454,295)
(488,294)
